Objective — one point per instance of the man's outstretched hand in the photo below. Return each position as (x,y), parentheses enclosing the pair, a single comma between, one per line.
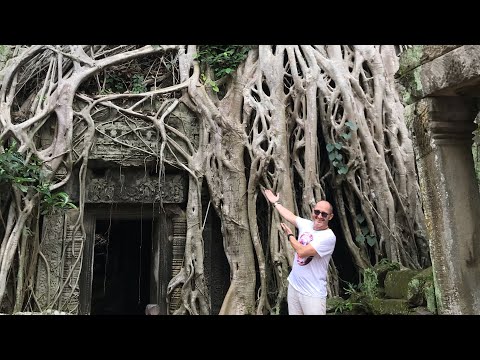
(270,196)
(286,229)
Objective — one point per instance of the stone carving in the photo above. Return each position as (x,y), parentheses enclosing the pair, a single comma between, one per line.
(178,251)
(69,300)
(135,141)
(57,252)
(130,186)
(48,275)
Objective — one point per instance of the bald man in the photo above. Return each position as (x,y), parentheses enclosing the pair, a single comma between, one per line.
(307,289)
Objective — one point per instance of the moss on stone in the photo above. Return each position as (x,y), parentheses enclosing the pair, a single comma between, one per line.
(396,283)
(415,292)
(409,73)
(389,307)
(382,268)
(429,292)
(410,59)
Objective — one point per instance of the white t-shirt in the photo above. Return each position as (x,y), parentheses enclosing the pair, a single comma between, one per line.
(309,276)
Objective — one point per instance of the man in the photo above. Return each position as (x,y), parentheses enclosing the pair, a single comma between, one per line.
(307,289)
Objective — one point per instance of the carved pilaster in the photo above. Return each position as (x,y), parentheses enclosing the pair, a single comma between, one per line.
(442,121)
(179,225)
(451,121)
(74,245)
(50,263)
(443,138)
(59,266)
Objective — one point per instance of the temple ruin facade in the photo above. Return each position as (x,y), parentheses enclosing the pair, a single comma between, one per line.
(440,87)
(135,229)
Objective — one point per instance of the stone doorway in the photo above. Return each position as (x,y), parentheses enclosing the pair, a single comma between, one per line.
(127,259)
(121,266)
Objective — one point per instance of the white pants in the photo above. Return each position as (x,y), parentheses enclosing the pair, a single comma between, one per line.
(299,304)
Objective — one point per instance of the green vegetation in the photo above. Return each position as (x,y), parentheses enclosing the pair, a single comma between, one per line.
(221,59)
(365,234)
(369,286)
(122,83)
(339,305)
(27,176)
(334,154)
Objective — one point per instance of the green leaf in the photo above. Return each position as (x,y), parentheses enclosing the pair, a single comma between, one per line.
(346,136)
(22,180)
(338,146)
(64,198)
(332,156)
(228,70)
(22,188)
(360,239)
(339,156)
(365,230)
(330,147)
(343,170)
(351,125)
(371,240)
(360,218)
(335,163)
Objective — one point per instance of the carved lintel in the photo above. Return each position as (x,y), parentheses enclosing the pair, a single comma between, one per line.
(136,141)
(130,186)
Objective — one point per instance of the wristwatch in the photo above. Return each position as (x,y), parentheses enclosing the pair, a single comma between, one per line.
(288,236)
(275,203)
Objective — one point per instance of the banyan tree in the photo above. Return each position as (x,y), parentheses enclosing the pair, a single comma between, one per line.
(309,122)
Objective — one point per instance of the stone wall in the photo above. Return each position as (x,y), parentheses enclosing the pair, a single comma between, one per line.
(440,86)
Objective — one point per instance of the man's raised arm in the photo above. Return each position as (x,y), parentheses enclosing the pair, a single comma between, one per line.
(282,210)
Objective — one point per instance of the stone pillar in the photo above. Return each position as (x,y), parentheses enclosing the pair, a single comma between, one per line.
(179,225)
(443,140)
(50,265)
(59,266)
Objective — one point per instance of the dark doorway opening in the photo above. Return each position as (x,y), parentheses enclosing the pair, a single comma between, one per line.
(121,267)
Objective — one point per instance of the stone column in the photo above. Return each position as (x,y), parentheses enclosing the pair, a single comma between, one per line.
(49,268)
(58,270)
(179,225)
(443,140)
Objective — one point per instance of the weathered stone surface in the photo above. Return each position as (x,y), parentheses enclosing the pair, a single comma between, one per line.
(389,307)
(50,270)
(382,269)
(46,312)
(135,142)
(442,129)
(396,283)
(455,72)
(132,186)
(59,265)
(421,311)
(421,54)
(452,122)
(417,287)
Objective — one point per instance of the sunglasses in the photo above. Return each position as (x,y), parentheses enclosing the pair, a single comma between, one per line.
(323,213)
